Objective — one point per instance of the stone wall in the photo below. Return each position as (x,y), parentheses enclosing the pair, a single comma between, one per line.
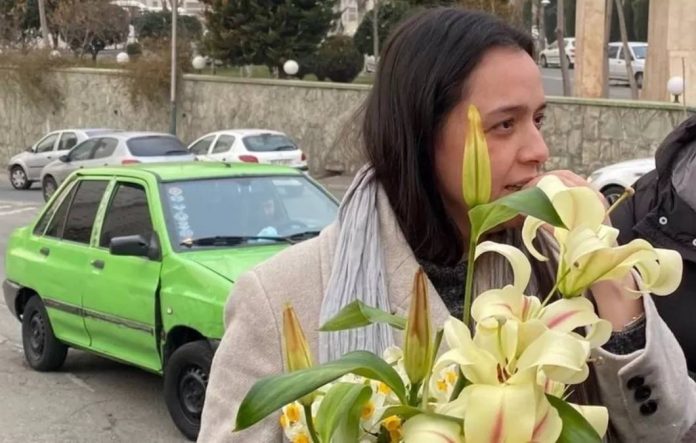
(582,134)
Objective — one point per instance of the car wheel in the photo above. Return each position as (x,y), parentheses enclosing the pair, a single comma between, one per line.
(612,193)
(639,79)
(49,187)
(185,381)
(42,350)
(544,62)
(18,178)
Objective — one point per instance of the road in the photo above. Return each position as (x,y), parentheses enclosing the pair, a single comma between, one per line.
(91,399)
(553,84)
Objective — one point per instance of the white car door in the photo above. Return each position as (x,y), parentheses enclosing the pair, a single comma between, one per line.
(43,154)
(222,149)
(552,54)
(68,139)
(201,147)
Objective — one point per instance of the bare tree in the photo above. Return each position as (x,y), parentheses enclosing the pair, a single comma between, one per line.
(609,5)
(44,24)
(560,39)
(628,57)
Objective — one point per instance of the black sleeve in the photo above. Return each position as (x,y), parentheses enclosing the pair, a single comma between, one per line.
(625,216)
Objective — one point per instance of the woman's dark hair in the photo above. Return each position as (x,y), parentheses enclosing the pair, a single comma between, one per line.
(421,78)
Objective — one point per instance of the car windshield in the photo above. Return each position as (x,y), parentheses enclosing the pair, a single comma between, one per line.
(155,145)
(268,143)
(640,51)
(234,211)
(98,132)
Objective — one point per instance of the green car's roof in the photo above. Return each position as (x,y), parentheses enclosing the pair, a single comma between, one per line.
(171,171)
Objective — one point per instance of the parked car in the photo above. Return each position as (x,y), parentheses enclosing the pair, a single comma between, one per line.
(250,146)
(136,264)
(25,167)
(612,180)
(551,56)
(119,148)
(617,61)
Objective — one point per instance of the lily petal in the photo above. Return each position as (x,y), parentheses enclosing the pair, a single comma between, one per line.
(575,206)
(665,274)
(422,428)
(568,314)
(529,229)
(521,267)
(596,416)
(477,365)
(561,356)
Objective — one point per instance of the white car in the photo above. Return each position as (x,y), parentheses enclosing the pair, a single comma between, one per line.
(551,55)
(617,61)
(249,146)
(613,179)
(25,167)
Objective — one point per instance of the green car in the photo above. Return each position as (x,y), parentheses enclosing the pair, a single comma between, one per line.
(135,263)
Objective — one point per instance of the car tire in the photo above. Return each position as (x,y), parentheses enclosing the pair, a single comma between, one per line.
(42,349)
(544,62)
(612,192)
(185,381)
(639,80)
(48,187)
(18,178)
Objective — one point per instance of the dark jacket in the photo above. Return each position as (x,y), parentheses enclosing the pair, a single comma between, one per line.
(658,214)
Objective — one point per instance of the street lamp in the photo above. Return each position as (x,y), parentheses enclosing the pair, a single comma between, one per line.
(675,86)
(198,63)
(122,58)
(291,67)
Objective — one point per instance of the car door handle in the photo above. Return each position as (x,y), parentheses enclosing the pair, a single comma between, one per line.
(99,264)
(45,251)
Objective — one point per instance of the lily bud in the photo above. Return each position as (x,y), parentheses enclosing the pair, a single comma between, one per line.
(295,347)
(423,428)
(418,341)
(476,168)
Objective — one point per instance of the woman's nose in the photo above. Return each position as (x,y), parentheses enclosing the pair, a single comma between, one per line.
(534,149)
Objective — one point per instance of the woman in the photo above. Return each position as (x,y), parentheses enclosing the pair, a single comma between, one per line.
(405,210)
(662,211)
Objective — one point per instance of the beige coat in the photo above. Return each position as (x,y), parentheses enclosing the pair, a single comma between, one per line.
(649,394)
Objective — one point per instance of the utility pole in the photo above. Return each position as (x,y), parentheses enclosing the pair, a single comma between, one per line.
(560,39)
(172,91)
(375,30)
(627,55)
(44,24)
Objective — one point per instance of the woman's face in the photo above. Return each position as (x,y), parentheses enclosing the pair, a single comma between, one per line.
(506,87)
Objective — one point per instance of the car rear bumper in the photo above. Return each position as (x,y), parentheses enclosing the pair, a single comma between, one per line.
(11,291)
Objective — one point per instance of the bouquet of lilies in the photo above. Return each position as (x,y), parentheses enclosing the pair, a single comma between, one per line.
(509,364)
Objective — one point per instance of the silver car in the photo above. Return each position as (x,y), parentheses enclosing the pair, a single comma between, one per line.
(118,148)
(25,167)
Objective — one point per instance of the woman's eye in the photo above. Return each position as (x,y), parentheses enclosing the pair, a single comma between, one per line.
(539,121)
(506,125)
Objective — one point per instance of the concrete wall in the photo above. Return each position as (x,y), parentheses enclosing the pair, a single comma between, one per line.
(582,134)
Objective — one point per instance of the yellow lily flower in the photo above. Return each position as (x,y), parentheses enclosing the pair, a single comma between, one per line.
(476,168)
(418,342)
(588,249)
(424,428)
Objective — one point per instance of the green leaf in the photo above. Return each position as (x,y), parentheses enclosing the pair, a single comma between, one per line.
(575,428)
(406,412)
(338,418)
(272,393)
(358,314)
(530,201)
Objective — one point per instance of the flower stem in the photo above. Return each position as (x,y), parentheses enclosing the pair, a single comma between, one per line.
(469,288)
(413,394)
(555,287)
(310,423)
(628,192)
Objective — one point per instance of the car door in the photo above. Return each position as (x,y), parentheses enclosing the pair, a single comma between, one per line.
(67,141)
(201,148)
(120,297)
(76,159)
(612,53)
(43,154)
(552,54)
(103,154)
(222,149)
(61,246)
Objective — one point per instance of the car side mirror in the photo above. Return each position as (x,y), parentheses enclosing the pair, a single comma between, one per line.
(136,246)
(29,149)
(64,158)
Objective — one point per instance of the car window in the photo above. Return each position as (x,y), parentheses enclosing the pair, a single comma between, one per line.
(67,141)
(155,145)
(57,220)
(55,215)
(553,45)
(201,147)
(83,151)
(78,226)
(268,143)
(613,50)
(46,145)
(223,144)
(128,214)
(640,51)
(105,148)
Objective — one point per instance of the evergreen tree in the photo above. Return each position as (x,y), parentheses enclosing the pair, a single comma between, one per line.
(266,32)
